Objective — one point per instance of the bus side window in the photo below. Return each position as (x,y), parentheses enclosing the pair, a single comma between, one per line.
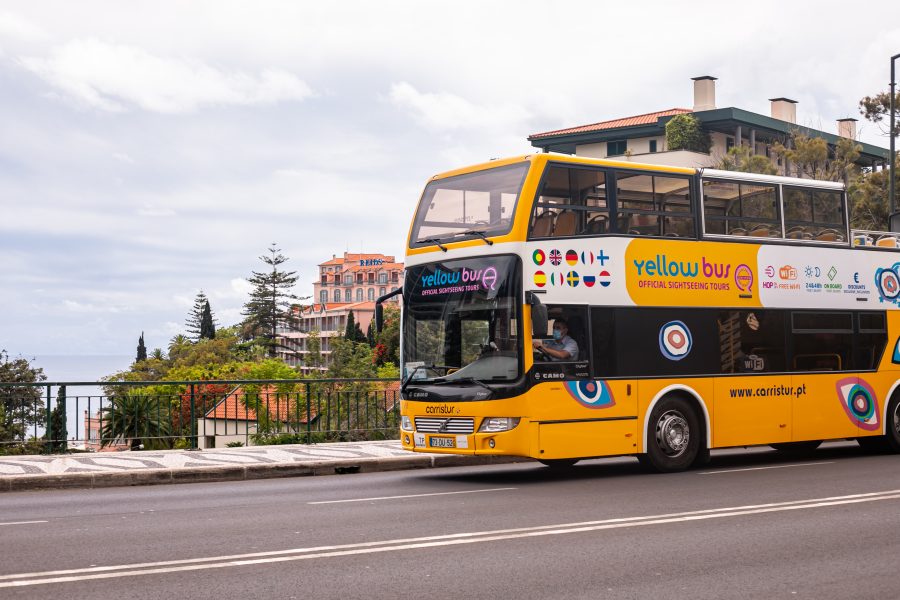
(603,342)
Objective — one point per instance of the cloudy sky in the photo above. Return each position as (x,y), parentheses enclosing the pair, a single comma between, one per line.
(152,149)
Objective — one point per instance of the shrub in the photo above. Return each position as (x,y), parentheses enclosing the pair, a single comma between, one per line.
(684,132)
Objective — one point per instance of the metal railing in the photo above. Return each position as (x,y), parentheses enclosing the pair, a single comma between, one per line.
(53,417)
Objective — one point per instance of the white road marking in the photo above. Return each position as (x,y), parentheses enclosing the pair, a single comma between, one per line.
(411,496)
(814,464)
(22,522)
(258,558)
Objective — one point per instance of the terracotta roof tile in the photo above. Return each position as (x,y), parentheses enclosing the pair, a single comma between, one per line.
(282,407)
(646,119)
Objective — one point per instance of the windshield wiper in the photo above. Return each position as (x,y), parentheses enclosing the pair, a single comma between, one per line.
(480,234)
(445,381)
(435,241)
(410,377)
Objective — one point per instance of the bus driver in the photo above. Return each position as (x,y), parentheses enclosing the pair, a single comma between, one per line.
(561,347)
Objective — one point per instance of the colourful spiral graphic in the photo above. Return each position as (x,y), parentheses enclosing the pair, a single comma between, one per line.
(675,340)
(591,393)
(858,400)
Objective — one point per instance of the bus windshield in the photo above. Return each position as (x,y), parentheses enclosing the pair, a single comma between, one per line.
(461,321)
(476,203)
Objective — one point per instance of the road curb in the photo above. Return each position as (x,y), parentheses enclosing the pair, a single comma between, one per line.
(21,483)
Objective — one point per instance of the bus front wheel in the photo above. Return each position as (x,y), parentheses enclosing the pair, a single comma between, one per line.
(673,436)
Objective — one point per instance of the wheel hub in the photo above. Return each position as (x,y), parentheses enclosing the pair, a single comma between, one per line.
(673,434)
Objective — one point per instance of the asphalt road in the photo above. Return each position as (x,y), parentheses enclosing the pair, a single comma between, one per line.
(750,525)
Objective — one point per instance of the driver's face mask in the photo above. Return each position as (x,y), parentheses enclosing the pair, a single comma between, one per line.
(557,334)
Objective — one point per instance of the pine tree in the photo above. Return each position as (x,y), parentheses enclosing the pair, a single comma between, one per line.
(57,435)
(207,324)
(270,301)
(370,334)
(353,331)
(194,325)
(141,349)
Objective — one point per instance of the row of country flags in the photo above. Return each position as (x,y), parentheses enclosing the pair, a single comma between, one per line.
(555,257)
(571,279)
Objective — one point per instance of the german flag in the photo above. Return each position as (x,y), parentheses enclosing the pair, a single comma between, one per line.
(572,258)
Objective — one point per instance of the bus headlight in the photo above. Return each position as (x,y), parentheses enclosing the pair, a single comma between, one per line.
(406,423)
(496,424)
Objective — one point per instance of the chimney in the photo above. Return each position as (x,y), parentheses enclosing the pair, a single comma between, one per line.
(704,93)
(784,109)
(847,128)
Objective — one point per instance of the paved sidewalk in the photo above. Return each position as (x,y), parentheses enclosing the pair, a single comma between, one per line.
(110,469)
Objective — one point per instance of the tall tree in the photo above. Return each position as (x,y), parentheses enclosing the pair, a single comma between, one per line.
(270,301)
(141,349)
(207,324)
(56,436)
(370,334)
(313,358)
(200,322)
(877,109)
(353,331)
(740,159)
(21,408)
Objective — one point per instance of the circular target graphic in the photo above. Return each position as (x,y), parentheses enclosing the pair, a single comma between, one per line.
(888,283)
(861,404)
(675,340)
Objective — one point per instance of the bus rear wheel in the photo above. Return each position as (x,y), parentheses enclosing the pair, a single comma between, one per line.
(890,441)
(673,436)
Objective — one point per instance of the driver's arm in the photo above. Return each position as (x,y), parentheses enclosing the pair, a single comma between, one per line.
(557,354)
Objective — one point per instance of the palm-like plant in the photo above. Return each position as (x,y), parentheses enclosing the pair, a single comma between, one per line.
(136,417)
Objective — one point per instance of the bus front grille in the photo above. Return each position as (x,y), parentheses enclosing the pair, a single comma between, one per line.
(459,425)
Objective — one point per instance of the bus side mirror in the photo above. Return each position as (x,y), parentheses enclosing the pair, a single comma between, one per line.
(538,315)
(379,309)
(895,222)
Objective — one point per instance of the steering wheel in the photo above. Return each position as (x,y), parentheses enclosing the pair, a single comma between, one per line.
(542,355)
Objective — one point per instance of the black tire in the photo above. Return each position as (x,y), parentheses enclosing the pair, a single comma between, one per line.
(890,441)
(892,427)
(797,448)
(875,444)
(674,436)
(558,463)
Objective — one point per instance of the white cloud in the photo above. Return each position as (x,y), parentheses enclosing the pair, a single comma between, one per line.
(153,211)
(443,111)
(17,27)
(116,77)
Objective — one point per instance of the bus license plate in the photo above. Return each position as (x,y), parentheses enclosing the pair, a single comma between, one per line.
(441,442)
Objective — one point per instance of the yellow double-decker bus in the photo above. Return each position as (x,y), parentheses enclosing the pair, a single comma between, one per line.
(692,309)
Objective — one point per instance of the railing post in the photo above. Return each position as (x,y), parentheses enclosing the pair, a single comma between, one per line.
(49,445)
(193,422)
(308,415)
(65,418)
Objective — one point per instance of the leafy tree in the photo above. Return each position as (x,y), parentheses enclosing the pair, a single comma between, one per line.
(141,349)
(20,407)
(353,332)
(812,158)
(350,360)
(877,109)
(270,301)
(387,342)
(869,206)
(740,159)
(684,132)
(137,416)
(313,358)
(178,345)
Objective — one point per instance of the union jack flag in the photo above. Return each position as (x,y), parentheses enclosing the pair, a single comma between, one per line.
(555,257)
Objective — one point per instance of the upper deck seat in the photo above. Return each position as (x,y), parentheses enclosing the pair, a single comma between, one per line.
(566,223)
(543,224)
